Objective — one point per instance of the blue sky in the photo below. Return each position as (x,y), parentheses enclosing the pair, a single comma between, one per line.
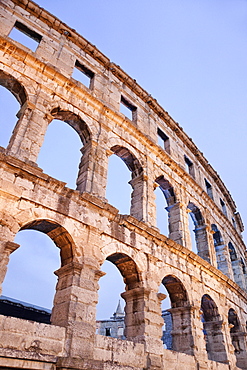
(191,56)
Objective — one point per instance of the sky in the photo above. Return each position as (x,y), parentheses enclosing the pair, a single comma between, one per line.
(189,55)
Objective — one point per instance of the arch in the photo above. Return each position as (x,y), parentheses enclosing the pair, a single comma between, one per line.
(127,268)
(238,339)
(218,240)
(137,208)
(238,266)
(14,86)
(32,265)
(74,121)
(233,321)
(84,154)
(232,252)
(212,328)
(209,308)
(222,252)
(63,240)
(178,316)
(58,234)
(172,221)
(196,215)
(178,294)
(167,190)
(129,159)
(15,97)
(134,294)
(201,237)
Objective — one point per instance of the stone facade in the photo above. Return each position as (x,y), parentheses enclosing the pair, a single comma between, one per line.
(113,327)
(207,290)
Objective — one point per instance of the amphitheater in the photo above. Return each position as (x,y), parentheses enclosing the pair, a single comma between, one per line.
(208,289)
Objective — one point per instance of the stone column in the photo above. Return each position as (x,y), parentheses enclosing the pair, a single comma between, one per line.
(143,322)
(75,306)
(135,313)
(223,259)
(179,224)
(28,133)
(92,177)
(138,199)
(150,202)
(182,338)
(238,274)
(8,248)
(215,344)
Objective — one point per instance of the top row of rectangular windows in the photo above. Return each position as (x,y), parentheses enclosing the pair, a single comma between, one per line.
(29,38)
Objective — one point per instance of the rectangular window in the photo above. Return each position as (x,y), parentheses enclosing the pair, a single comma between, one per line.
(83,74)
(223,207)
(209,189)
(163,140)
(25,36)
(234,222)
(108,332)
(189,166)
(128,109)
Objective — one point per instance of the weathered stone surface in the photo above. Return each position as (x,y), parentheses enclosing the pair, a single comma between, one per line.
(88,229)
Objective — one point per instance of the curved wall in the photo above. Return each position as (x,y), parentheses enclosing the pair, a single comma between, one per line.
(88,229)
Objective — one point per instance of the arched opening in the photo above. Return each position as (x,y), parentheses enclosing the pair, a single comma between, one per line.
(222,254)
(9,87)
(110,307)
(65,150)
(30,280)
(200,242)
(238,267)
(218,240)
(30,277)
(234,262)
(192,234)
(124,325)
(238,339)
(118,192)
(177,318)
(165,216)
(212,328)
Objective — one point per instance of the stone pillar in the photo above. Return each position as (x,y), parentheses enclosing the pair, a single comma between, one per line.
(202,242)
(9,247)
(143,321)
(28,133)
(223,259)
(150,203)
(138,199)
(215,344)
(179,224)
(135,315)
(75,306)
(182,338)
(92,177)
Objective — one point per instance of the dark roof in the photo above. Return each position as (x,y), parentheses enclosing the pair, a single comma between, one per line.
(23,310)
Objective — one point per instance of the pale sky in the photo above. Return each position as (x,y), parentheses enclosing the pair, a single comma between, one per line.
(189,55)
